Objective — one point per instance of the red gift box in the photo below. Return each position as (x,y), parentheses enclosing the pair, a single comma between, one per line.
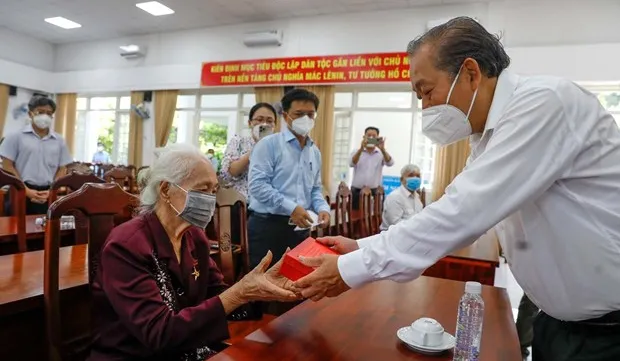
(292,268)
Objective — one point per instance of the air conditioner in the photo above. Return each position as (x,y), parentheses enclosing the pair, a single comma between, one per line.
(132,51)
(263,38)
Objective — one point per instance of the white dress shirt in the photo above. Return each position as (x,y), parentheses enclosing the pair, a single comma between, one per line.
(546,173)
(399,205)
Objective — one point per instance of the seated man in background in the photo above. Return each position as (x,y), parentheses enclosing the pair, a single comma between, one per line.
(404,201)
(367,163)
(285,181)
(36,155)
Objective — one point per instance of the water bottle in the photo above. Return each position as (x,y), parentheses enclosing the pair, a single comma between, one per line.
(469,324)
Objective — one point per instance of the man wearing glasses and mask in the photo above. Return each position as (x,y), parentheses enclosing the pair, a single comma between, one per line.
(544,172)
(36,154)
(285,181)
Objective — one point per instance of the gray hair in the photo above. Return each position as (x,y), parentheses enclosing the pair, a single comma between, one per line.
(41,101)
(462,38)
(173,164)
(409,168)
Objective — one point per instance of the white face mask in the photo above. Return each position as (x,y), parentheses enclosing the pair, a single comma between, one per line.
(302,126)
(100,149)
(42,121)
(445,124)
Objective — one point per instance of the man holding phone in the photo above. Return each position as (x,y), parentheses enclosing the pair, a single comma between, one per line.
(368,162)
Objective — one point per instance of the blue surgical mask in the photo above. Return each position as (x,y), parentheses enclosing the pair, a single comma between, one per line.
(413,183)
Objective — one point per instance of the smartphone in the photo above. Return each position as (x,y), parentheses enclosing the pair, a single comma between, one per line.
(373,141)
(264,130)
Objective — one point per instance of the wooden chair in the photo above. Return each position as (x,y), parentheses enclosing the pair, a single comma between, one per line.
(378,209)
(72,182)
(79,167)
(121,176)
(102,169)
(344,222)
(366,212)
(17,194)
(318,231)
(103,206)
(233,257)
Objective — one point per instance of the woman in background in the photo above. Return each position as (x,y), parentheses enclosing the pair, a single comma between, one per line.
(236,161)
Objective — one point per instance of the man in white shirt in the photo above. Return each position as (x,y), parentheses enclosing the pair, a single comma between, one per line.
(367,163)
(404,201)
(544,171)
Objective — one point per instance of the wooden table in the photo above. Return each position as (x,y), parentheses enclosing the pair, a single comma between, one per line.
(34,234)
(477,262)
(22,322)
(361,325)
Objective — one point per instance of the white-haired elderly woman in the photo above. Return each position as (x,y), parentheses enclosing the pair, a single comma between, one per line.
(158,294)
(404,202)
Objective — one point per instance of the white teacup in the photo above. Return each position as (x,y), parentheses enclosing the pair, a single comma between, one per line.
(427,332)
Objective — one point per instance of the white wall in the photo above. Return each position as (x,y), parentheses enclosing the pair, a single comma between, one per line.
(25,50)
(12,124)
(550,37)
(25,61)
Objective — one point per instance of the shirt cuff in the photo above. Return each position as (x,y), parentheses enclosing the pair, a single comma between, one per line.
(324,208)
(288,206)
(364,242)
(353,270)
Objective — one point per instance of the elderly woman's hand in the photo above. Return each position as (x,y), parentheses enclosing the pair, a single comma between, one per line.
(259,285)
(262,284)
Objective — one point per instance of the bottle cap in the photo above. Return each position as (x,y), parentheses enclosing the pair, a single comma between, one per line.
(473,287)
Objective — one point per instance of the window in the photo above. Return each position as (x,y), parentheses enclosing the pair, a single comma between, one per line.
(398,116)
(611,101)
(210,120)
(105,120)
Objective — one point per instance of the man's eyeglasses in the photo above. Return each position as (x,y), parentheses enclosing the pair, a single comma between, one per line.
(311,115)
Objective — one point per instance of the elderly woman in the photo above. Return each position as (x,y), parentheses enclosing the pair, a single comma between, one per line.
(236,161)
(404,202)
(157,293)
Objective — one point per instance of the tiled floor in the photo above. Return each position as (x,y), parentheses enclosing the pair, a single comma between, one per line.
(505,279)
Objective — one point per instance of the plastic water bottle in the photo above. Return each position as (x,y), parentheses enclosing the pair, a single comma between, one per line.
(469,324)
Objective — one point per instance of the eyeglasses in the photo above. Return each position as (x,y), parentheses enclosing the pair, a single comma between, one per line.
(299,114)
(262,120)
(39,112)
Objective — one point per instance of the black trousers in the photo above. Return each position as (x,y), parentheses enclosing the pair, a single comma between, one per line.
(556,340)
(355,194)
(271,232)
(525,323)
(31,207)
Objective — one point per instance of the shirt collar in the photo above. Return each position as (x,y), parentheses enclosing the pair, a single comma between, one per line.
(289,136)
(406,192)
(506,85)
(161,240)
(28,129)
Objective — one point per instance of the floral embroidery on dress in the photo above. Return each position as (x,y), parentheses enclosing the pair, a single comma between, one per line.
(169,296)
(237,147)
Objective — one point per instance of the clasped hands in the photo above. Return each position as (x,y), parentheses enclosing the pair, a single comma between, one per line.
(267,284)
(37,196)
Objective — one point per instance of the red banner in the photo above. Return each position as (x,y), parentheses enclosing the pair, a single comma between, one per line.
(361,68)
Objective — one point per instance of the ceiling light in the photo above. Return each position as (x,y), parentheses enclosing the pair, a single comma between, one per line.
(63,23)
(155,8)
(130,48)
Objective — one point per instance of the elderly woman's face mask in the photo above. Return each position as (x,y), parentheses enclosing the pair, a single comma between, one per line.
(198,209)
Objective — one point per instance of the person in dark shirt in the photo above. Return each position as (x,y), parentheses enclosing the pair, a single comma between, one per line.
(157,294)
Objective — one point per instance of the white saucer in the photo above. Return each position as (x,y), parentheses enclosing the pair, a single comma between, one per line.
(404,334)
